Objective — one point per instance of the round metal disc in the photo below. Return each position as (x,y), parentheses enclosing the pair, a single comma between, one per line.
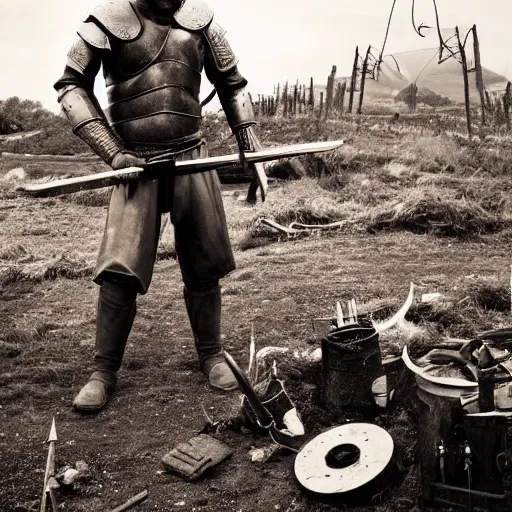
(376,449)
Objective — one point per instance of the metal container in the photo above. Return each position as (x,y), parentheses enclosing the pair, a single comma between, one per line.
(352,361)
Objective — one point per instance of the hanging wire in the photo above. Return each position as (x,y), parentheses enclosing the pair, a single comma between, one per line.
(422,26)
(379,62)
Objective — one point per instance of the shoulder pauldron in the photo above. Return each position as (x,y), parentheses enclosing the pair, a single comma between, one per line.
(224,57)
(118,18)
(92,34)
(194,15)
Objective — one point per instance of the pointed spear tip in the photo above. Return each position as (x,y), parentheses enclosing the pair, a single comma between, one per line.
(53,433)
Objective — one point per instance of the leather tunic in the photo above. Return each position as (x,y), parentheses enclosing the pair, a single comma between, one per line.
(153,85)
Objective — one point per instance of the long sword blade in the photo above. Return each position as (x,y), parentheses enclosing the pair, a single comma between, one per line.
(153,170)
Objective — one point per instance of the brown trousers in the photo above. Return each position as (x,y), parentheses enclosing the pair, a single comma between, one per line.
(132,231)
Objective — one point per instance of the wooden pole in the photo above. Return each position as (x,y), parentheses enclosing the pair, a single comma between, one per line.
(330,92)
(295,92)
(343,92)
(353,81)
(479,73)
(506,103)
(466,81)
(312,95)
(363,80)
(285,99)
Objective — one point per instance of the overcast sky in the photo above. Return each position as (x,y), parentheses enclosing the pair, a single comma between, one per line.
(275,40)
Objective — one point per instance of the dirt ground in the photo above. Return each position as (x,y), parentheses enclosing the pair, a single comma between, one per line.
(47,325)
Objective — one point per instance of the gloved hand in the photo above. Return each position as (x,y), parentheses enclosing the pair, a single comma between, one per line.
(125,159)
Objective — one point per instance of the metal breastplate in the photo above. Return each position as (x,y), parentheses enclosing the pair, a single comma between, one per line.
(153,85)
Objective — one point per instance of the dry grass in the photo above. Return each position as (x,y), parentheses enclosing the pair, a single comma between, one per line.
(13,252)
(93,198)
(431,213)
(72,266)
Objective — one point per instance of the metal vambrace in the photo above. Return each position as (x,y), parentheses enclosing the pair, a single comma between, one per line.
(88,122)
(238,109)
(247,139)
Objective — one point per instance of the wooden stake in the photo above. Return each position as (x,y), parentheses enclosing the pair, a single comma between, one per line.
(285,99)
(330,92)
(506,103)
(466,81)
(479,73)
(339,315)
(353,81)
(363,80)
(312,95)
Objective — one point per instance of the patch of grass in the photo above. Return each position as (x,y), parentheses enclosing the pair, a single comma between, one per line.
(63,266)
(92,198)
(166,252)
(430,213)
(13,252)
(9,350)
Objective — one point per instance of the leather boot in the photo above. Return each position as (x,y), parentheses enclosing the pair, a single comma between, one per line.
(204,312)
(116,312)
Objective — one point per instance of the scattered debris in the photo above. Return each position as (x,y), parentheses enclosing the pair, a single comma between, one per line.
(428,298)
(132,502)
(297,228)
(17,174)
(264,454)
(70,476)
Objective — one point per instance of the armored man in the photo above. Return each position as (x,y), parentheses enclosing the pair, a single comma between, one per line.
(153,53)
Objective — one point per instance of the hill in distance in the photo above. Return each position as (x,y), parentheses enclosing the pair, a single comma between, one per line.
(401,69)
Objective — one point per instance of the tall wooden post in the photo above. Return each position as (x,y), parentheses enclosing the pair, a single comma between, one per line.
(330,92)
(479,73)
(353,81)
(312,95)
(363,80)
(285,99)
(507,99)
(343,92)
(466,81)
(295,92)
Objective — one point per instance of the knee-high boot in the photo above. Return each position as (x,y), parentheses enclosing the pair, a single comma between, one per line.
(204,312)
(116,312)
